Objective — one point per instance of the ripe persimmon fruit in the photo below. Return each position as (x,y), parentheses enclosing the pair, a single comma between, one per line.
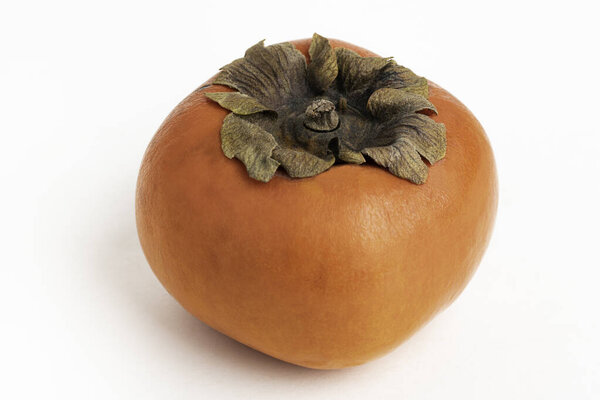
(326,271)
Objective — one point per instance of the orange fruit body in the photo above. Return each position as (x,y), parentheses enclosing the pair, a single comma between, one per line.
(324,272)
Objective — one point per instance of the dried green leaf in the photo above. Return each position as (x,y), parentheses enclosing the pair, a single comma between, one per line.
(250,144)
(300,164)
(357,73)
(239,103)
(338,108)
(273,75)
(399,77)
(323,68)
(346,154)
(428,136)
(387,102)
(401,159)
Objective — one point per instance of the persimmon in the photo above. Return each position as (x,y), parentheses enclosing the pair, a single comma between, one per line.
(359,203)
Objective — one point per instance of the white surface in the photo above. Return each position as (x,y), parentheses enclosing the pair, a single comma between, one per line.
(84,87)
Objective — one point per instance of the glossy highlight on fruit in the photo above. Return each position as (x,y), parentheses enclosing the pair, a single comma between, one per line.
(328,271)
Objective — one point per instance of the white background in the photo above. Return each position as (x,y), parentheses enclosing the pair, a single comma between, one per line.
(83,87)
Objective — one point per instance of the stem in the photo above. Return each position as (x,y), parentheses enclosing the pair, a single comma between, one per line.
(321,116)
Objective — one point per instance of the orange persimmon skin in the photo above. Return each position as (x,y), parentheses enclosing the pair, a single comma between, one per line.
(324,272)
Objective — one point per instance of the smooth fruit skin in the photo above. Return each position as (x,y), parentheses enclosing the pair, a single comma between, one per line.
(324,272)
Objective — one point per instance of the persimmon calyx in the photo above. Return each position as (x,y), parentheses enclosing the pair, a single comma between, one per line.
(338,108)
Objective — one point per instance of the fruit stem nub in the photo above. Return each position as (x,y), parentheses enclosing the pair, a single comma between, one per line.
(320,116)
